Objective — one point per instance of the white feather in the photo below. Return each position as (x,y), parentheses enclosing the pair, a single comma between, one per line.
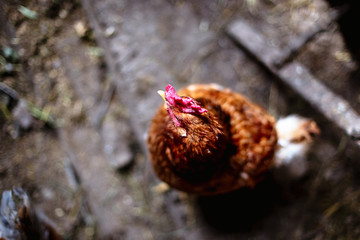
(291,154)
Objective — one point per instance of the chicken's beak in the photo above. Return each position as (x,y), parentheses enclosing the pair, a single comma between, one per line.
(162,94)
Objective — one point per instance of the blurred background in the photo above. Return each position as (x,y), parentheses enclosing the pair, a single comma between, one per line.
(78,91)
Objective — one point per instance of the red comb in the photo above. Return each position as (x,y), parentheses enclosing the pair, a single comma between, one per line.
(186,104)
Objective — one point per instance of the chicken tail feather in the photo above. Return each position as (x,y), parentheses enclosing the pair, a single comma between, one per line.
(295,136)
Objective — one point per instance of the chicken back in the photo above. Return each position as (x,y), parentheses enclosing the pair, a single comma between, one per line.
(209,140)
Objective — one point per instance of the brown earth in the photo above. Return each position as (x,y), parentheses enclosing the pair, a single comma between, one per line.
(89,71)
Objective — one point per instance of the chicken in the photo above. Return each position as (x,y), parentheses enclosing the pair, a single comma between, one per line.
(211,140)
(18,220)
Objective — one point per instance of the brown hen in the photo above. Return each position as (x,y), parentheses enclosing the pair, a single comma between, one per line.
(210,140)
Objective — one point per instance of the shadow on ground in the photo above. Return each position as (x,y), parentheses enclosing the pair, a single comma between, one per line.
(241,210)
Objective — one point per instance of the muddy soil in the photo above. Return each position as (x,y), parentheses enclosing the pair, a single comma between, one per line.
(89,71)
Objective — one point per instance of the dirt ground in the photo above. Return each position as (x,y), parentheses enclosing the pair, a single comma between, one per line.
(89,71)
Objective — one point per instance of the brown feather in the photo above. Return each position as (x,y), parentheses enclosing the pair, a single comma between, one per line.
(229,147)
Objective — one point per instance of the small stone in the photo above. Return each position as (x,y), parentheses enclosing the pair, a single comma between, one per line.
(63,13)
(22,116)
(80,28)
(59,212)
(48,193)
(161,188)
(204,26)
(109,31)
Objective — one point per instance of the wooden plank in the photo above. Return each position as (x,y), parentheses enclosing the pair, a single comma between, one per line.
(332,106)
